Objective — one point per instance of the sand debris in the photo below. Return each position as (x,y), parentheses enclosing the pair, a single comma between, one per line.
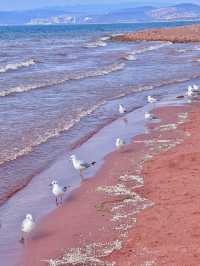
(117,190)
(182,118)
(167,127)
(127,178)
(89,255)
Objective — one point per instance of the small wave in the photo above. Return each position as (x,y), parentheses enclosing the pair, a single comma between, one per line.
(130,57)
(150,48)
(104,38)
(65,126)
(190,49)
(96,44)
(93,73)
(16,66)
(51,133)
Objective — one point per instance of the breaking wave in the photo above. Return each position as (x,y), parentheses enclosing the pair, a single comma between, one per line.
(67,125)
(92,73)
(49,134)
(16,66)
(101,42)
(96,44)
(150,48)
(130,57)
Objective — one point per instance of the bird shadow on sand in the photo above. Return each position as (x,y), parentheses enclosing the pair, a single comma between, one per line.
(41,234)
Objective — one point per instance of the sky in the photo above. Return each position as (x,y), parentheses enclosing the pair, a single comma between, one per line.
(32,4)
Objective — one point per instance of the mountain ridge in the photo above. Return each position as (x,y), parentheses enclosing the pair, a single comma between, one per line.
(113,14)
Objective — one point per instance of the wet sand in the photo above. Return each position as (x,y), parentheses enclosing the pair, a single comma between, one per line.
(183,34)
(122,214)
(168,233)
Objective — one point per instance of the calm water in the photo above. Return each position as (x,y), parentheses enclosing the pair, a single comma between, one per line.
(59,84)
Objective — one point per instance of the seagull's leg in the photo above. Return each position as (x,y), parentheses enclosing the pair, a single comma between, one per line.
(61,199)
(81,174)
(22,239)
(57,201)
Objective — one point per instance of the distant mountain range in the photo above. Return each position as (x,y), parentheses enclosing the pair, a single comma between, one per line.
(100,14)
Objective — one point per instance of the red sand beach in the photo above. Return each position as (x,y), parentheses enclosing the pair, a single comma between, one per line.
(141,208)
(183,34)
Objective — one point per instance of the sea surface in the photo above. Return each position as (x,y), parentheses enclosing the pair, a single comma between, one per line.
(60,84)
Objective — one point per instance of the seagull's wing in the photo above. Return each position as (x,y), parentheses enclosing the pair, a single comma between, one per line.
(23,225)
(84,164)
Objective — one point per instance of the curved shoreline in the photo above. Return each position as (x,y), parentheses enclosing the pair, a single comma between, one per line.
(65,231)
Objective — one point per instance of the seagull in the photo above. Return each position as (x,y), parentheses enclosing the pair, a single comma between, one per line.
(195,87)
(80,165)
(27,226)
(150,116)
(151,99)
(120,143)
(58,191)
(190,91)
(122,109)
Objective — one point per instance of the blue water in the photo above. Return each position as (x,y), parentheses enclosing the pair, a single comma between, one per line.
(59,84)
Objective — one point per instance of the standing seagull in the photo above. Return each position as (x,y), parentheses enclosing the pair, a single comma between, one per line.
(190,91)
(195,87)
(122,109)
(149,116)
(80,165)
(120,143)
(58,191)
(151,99)
(27,226)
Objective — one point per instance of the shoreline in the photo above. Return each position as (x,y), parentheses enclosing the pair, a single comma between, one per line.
(180,34)
(168,232)
(102,142)
(62,230)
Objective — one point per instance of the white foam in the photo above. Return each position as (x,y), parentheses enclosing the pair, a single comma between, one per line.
(16,66)
(130,57)
(92,73)
(49,134)
(96,44)
(150,48)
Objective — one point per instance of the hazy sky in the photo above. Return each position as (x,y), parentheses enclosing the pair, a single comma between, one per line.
(29,4)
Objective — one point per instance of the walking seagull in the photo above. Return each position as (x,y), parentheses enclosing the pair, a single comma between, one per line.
(122,109)
(27,226)
(80,165)
(58,191)
(120,143)
(151,99)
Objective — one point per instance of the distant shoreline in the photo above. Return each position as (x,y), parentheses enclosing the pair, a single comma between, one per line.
(180,34)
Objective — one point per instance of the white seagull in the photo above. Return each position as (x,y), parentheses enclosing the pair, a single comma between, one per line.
(80,165)
(122,109)
(149,116)
(120,143)
(58,191)
(27,226)
(151,99)
(190,91)
(195,87)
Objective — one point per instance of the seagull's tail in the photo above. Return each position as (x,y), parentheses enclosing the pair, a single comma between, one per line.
(66,188)
(93,163)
